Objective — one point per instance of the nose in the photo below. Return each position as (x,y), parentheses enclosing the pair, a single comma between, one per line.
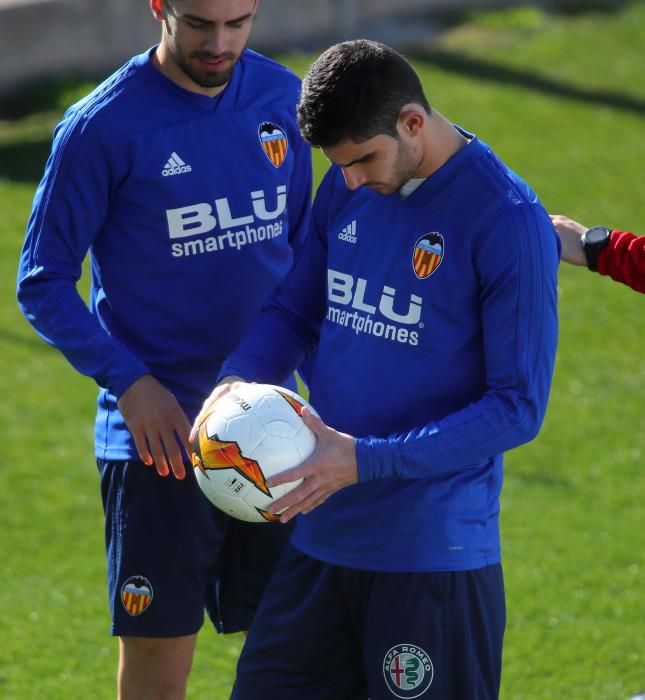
(215,41)
(354,178)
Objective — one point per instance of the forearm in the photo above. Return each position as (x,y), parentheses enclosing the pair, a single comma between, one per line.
(59,316)
(497,423)
(624,259)
(289,326)
(271,350)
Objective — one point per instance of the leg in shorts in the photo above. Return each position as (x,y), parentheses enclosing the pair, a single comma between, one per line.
(171,554)
(329,633)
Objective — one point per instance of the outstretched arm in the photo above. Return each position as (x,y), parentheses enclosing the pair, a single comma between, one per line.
(623,259)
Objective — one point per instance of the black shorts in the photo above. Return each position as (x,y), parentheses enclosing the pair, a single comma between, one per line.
(324,632)
(171,555)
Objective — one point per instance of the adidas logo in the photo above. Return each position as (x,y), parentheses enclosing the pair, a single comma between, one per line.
(348,234)
(175,166)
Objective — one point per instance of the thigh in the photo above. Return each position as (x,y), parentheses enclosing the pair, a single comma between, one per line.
(435,635)
(303,642)
(163,539)
(250,552)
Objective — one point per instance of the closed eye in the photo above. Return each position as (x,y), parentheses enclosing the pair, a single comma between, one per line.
(237,24)
(196,23)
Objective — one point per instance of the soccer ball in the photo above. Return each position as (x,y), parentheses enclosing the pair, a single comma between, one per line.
(251,433)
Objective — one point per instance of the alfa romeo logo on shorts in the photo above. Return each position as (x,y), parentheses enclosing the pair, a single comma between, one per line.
(408,671)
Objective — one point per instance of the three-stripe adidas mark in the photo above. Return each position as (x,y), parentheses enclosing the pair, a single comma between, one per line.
(348,234)
(175,166)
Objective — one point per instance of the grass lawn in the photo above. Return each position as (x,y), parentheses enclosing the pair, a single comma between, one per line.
(562,101)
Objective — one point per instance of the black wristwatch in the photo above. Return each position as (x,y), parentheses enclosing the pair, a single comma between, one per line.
(593,241)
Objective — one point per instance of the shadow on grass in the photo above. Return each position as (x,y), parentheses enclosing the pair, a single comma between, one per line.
(24,161)
(45,94)
(503,75)
(579,7)
(549,480)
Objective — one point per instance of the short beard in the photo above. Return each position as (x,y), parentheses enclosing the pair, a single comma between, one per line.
(201,78)
(206,80)
(404,167)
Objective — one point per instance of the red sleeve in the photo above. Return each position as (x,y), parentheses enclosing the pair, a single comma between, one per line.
(624,259)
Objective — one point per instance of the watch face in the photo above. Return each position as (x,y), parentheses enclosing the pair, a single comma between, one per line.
(597,234)
(594,240)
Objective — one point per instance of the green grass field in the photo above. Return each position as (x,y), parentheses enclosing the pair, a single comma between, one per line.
(562,101)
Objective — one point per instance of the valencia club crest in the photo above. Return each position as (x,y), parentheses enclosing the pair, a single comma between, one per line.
(428,254)
(274,142)
(136,595)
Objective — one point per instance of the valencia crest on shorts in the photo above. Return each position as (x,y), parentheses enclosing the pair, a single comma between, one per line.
(274,142)
(428,254)
(136,595)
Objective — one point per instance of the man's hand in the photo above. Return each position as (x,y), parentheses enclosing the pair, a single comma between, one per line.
(156,421)
(223,387)
(570,233)
(331,467)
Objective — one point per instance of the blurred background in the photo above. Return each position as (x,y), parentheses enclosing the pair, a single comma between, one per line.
(556,87)
(44,37)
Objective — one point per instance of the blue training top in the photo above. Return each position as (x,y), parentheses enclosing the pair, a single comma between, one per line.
(190,207)
(436,324)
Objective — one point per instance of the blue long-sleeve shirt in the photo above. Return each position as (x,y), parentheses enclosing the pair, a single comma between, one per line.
(191,209)
(435,323)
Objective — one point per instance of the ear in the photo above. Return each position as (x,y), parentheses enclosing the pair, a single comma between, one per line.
(411,120)
(157,9)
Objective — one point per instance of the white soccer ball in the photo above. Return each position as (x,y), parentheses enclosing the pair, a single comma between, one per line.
(252,433)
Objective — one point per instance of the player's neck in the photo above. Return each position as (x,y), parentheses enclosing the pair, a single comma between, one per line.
(440,143)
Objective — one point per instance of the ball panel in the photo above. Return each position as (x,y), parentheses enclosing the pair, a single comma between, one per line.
(251,434)
(245,430)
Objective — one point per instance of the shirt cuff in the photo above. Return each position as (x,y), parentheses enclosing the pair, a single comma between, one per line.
(377,458)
